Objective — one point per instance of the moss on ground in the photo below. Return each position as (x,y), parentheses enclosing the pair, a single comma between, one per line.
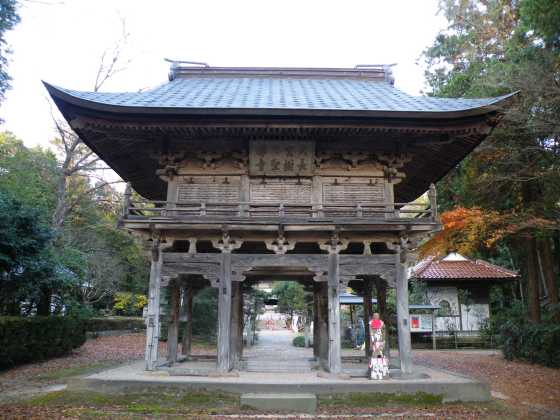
(65,373)
(174,403)
(166,402)
(363,399)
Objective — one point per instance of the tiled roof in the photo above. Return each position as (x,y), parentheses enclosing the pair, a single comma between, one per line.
(441,269)
(279,91)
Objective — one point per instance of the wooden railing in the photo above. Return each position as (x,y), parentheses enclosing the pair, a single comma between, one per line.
(140,209)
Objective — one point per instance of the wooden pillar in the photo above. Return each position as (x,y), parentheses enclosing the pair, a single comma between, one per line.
(323,332)
(381,292)
(152,320)
(173,323)
(316,328)
(335,362)
(367,315)
(403,327)
(307,328)
(224,313)
(241,324)
(186,343)
(236,333)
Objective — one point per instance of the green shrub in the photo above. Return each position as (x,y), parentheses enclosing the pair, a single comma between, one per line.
(36,338)
(520,339)
(114,323)
(299,341)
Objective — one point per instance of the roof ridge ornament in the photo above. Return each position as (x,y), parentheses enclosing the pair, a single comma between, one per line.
(176,64)
(387,69)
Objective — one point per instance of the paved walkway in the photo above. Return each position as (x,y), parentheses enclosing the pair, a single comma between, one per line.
(274,352)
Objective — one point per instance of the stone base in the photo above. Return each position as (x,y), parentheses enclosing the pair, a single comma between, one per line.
(294,403)
(133,378)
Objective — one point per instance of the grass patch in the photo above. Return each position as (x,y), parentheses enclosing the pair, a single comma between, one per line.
(156,402)
(70,372)
(365,400)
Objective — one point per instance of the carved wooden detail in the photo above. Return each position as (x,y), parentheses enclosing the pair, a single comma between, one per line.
(335,244)
(280,245)
(206,265)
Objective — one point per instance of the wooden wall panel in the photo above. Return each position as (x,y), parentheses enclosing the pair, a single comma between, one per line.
(281,191)
(355,191)
(209,189)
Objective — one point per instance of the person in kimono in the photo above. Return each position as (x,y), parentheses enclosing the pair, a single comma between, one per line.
(379,364)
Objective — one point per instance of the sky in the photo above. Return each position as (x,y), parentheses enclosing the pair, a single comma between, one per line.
(61,42)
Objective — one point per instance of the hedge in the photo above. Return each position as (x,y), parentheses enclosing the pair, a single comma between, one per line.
(37,338)
(299,341)
(538,343)
(115,323)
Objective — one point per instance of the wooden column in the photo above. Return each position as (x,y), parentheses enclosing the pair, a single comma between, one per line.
(173,324)
(241,324)
(186,343)
(367,314)
(235,331)
(381,292)
(322,320)
(152,320)
(316,328)
(224,313)
(335,362)
(307,328)
(403,327)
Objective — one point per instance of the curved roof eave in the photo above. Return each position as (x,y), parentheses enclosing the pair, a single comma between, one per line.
(494,105)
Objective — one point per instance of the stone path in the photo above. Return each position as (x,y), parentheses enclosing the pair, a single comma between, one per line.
(274,352)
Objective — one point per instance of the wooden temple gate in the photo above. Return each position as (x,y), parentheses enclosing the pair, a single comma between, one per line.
(298,172)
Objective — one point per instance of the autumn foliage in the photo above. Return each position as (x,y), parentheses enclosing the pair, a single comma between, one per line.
(469,230)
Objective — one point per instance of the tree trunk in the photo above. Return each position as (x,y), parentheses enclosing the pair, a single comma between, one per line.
(533,300)
(44,305)
(556,240)
(545,251)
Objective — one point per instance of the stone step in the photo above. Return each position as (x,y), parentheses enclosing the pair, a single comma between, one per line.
(282,367)
(295,403)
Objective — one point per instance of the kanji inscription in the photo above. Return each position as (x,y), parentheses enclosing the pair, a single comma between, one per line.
(275,158)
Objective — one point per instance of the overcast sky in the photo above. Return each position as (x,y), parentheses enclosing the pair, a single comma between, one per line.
(62,42)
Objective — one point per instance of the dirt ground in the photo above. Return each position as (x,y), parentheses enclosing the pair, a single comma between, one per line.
(520,390)
(530,389)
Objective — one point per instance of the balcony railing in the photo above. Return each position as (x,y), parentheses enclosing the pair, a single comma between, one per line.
(141,209)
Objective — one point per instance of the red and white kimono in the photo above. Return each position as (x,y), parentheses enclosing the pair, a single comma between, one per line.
(378,364)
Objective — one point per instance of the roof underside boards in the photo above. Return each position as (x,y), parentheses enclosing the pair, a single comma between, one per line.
(358,107)
(461,270)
